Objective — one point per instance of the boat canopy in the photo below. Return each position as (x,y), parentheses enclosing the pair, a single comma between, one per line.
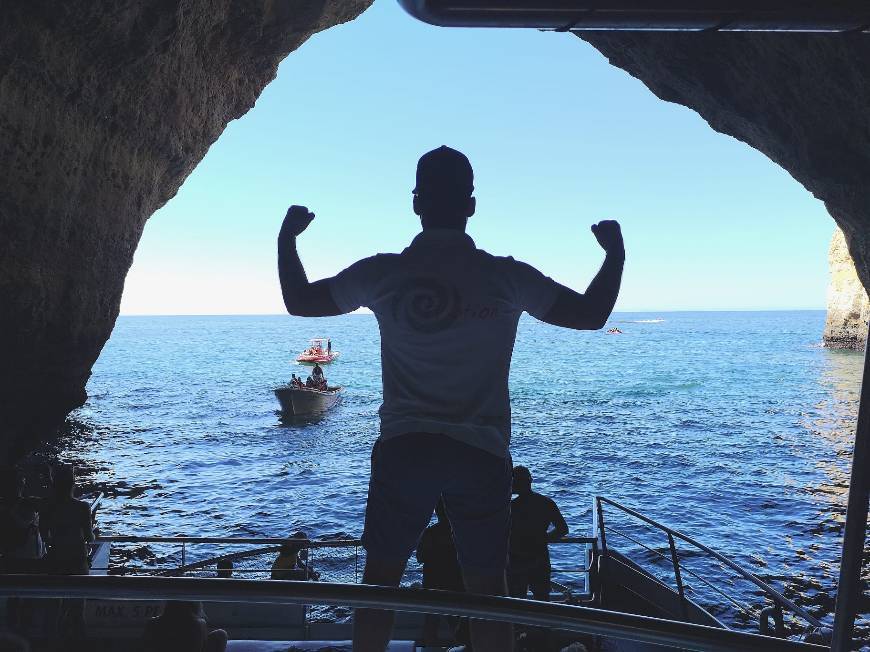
(648,15)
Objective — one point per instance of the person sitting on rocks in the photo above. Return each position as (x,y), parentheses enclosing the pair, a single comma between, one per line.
(182,627)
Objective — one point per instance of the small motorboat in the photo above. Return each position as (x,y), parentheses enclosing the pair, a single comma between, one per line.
(296,400)
(319,352)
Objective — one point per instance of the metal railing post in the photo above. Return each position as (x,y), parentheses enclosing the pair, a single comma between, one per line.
(183,563)
(678,576)
(601,534)
(849,584)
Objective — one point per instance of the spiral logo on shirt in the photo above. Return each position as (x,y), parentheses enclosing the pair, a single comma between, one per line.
(427,305)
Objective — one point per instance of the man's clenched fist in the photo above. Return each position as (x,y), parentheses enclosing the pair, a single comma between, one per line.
(609,236)
(295,222)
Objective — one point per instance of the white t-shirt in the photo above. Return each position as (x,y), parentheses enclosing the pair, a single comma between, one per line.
(448,316)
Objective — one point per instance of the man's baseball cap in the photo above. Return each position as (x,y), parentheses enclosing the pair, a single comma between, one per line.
(445,171)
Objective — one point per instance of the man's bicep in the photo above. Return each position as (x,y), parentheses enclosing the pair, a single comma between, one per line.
(571,310)
(350,288)
(536,293)
(319,301)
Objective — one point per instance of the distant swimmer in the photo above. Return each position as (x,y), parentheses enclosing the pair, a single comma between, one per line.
(614,331)
(447,339)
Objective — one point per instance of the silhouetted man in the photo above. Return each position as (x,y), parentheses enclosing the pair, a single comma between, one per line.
(531,517)
(437,553)
(448,314)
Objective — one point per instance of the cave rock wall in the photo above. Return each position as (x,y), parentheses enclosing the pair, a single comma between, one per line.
(105,108)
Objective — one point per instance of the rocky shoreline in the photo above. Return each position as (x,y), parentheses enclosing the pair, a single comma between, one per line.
(848,305)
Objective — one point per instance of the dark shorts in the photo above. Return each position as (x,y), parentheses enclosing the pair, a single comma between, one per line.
(535,579)
(411,471)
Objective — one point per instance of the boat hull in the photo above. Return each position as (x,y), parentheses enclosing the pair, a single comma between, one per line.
(295,401)
(323,358)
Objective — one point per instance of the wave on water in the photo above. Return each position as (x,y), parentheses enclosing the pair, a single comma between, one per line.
(641,321)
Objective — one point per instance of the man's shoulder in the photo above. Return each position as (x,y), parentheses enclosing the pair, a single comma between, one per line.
(378,259)
(377,263)
(509,265)
(544,500)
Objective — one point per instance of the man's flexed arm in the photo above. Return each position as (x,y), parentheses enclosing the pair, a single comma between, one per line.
(590,311)
(301,298)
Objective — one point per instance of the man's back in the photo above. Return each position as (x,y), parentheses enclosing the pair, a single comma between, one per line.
(448,316)
(531,516)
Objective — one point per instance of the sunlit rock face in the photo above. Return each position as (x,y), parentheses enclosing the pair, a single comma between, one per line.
(105,108)
(848,306)
(801,99)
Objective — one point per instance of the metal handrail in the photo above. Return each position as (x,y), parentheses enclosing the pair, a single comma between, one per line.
(774,595)
(271,544)
(306,543)
(709,584)
(528,612)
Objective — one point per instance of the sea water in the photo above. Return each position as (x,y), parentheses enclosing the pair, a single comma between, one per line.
(733,427)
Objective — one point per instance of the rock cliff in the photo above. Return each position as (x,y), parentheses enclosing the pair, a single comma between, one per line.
(848,305)
(801,99)
(105,108)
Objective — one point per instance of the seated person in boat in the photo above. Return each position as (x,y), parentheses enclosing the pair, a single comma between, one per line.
(182,627)
(291,562)
(309,382)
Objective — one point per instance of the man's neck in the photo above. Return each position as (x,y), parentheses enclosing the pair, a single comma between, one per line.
(439,226)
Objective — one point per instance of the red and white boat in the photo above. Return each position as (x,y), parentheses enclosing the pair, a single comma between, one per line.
(319,352)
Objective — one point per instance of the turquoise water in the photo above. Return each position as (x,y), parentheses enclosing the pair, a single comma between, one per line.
(732,427)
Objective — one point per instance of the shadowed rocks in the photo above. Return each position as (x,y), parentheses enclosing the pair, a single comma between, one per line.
(105,108)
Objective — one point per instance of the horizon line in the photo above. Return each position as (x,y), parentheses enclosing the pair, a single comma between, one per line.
(368,312)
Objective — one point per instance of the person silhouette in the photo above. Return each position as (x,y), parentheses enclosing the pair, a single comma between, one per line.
(182,626)
(69,525)
(531,517)
(437,554)
(449,312)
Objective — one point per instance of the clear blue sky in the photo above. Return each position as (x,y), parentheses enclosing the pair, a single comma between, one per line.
(558,139)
